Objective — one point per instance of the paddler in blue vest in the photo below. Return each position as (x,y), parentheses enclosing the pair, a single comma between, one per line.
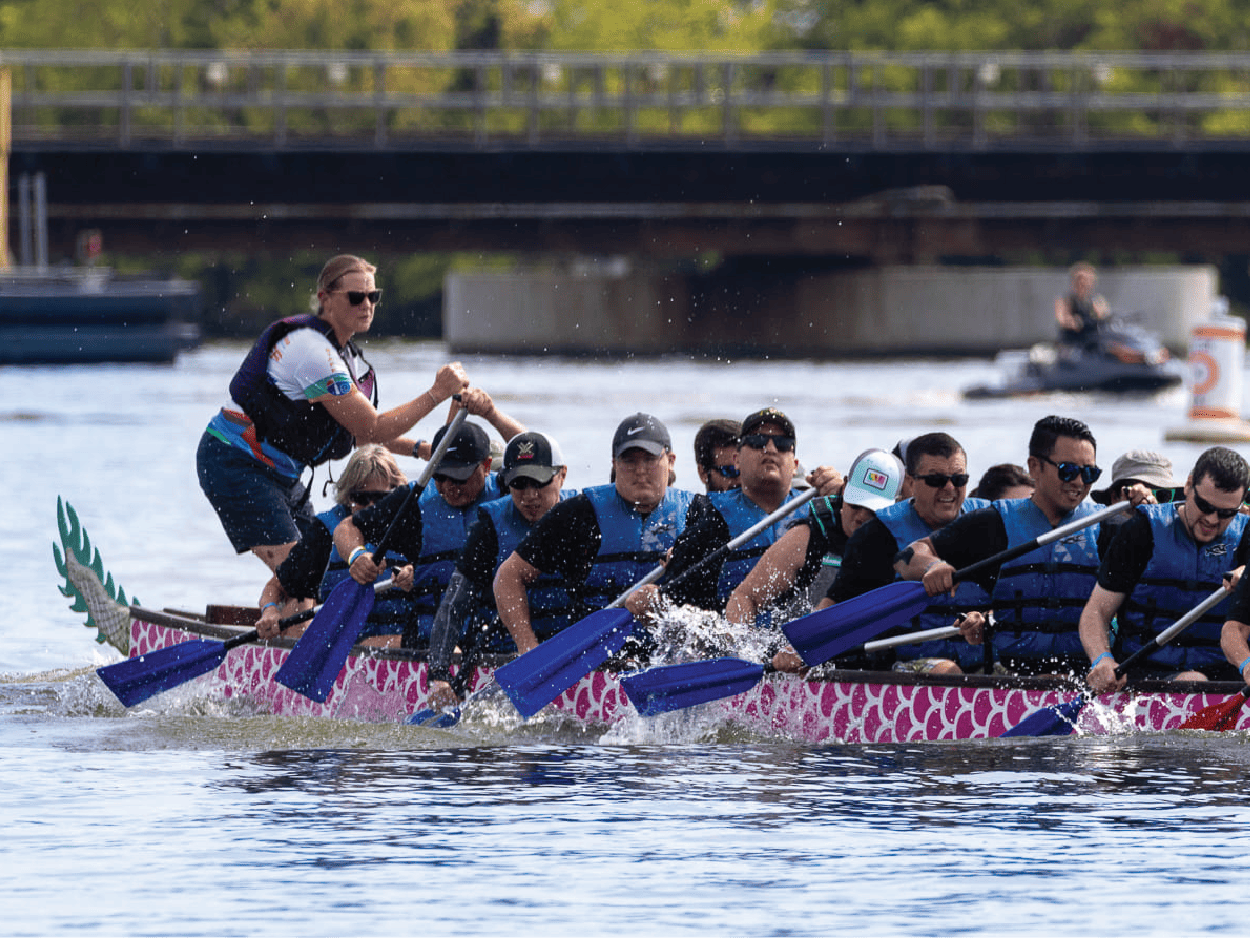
(716,454)
(814,545)
(435,525)
(1037,599)
(303,395)
(605,540)
(767,459)
(1162,562)
(313,567)
(533,473)
(937,476)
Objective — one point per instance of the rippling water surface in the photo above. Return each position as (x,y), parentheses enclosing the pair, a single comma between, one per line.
(187,816)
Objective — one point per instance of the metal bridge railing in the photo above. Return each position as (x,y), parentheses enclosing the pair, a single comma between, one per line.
(400,100)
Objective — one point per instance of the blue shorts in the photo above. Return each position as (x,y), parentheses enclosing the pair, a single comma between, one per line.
(257,506)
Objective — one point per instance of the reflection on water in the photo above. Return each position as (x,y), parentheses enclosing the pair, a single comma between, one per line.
(767,839)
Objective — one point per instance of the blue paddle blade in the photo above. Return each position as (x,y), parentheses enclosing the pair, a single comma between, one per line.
(660,690)
(827,633)
(1057,720)
(438,719)
(314,663)
(136,679)
(542,674)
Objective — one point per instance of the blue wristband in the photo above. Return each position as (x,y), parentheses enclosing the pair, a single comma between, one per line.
(267,605)
(1242,667)
(355,555)
(1105,654)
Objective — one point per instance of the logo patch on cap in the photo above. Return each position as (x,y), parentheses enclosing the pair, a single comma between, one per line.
(525,450)
(876,479)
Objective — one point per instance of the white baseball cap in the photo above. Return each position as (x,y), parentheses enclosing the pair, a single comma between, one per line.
(874,480)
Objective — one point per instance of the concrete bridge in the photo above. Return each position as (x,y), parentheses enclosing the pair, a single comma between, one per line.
(831,158)
(889,157)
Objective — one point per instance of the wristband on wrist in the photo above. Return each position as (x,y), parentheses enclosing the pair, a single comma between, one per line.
(1242,667)
(1094,664)
(932,564)
(416,449)
(433,399)
(267,606)
(355,555)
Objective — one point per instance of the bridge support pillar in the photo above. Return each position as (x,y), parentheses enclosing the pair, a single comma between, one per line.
(617,308)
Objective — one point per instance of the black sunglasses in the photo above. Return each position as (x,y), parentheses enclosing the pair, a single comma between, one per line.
(367,497)
(356,297)
(760,440)
(938,480)
(1070,470)
(1162,496)
(525,482)
(1206,508)
(729,472)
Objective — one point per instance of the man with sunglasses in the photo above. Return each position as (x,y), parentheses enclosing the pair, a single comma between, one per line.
(766,460)
(716,454)
(1164,561)
(937,470)
(533,473)
(806,559)
(1037,598)
(436,524)
(604,540)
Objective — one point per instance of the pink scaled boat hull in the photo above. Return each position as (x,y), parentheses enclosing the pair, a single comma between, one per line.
(848,707)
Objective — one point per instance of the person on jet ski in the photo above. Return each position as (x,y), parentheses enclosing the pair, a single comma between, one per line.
(1079,313)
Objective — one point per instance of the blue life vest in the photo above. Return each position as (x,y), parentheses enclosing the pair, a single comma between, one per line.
(550,605)
(444,530)
(740,514)
(631,544)
(1179,575)
(904,522)
(303,430)
(391,607)
(1038,598)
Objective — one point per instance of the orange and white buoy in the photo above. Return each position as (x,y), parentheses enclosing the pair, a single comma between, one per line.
(1217,361)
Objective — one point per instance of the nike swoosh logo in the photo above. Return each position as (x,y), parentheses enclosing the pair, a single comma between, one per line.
(635,430)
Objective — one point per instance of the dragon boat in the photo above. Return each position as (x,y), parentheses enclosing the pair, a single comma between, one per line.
(825,707)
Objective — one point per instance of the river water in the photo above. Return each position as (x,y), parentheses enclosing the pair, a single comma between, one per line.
(185,816)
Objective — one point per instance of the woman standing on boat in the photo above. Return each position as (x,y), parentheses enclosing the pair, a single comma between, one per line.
(303,395)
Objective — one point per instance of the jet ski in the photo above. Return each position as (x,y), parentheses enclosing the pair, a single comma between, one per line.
(1120,358)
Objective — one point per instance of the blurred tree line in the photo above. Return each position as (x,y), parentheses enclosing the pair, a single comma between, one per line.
(669,25)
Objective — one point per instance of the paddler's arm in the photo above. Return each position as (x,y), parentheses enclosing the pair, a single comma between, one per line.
(457,607)
(354,412)
(1095,629)
(512,601)
(919,561)
(770,577)
(479,404)
(1235,643)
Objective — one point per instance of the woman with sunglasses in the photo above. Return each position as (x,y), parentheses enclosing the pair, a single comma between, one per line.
(314,567)
(303,395)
